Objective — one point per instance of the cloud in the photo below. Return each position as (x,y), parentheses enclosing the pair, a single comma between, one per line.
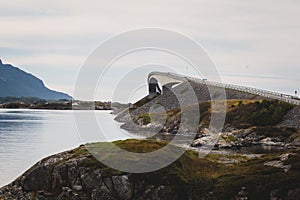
(259,37)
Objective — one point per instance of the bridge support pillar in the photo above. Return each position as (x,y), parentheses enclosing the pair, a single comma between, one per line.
(153,88)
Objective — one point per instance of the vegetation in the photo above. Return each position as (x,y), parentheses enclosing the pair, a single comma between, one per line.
(25,100)
(201,177)
(61,104)
(53,106)
(146,119)
(262,115)
(258,113)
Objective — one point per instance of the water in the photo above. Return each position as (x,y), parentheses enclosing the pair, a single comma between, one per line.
(27,136)
(261,149)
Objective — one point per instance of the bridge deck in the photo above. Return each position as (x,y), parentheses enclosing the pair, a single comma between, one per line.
(264,93)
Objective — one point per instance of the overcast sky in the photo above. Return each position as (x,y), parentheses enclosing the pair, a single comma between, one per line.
(254,43)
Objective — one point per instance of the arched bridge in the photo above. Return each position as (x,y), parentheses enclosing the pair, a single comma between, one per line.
(167,80)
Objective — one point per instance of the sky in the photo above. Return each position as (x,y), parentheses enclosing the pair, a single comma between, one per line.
(254,43)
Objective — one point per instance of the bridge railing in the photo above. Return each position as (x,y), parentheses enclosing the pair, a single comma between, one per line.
(251,90)
(265,93)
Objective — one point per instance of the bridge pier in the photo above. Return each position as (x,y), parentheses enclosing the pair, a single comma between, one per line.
(153,88)
(168,87)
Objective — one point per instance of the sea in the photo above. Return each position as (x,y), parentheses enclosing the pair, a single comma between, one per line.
(27,136)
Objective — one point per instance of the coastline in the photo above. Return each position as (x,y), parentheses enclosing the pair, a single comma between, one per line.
(75,174)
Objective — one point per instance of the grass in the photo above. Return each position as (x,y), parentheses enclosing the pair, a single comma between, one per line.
(240,114)
(231,103)
(258,113)
(146,119)
(198,176)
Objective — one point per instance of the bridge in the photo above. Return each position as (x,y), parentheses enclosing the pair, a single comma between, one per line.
(168,80)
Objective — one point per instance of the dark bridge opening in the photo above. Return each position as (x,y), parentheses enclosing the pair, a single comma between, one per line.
(154,87)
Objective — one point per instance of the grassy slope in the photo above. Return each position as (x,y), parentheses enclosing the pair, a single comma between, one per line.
(260,115)
(199,176)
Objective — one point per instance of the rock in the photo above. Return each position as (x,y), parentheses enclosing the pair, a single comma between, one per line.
(293,194)
(241,133)
(91,180)
(295,142)
(271,142)
(197,143)
(77,175)
(77,187)
(242,195)
(122,187)
(280,163)
(101,195)
(292,118)
(66,194)
(286,156)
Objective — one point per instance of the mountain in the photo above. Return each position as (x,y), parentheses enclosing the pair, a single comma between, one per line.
(16,83)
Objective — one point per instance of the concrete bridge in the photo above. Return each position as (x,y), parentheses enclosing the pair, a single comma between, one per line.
(168,80)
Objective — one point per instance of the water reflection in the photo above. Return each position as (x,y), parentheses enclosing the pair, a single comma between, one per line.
(19,131)
(26,136)
(262,149)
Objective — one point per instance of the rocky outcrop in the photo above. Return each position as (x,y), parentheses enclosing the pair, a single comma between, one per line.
(70,176)
(292,118)
(249,121)
(77,175)
(232,138)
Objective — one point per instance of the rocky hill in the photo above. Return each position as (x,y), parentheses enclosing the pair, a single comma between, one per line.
(250,119)
(16,83)
(76,174)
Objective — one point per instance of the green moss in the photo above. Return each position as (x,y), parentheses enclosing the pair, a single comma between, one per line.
(79,151)
(140,146)
(222,157)
(145,117)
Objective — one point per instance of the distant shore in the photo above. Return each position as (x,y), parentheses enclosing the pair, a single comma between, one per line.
(61,104)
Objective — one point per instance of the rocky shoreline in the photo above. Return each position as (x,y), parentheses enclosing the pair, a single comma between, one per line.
(239,138)
(76,174)
(248,123)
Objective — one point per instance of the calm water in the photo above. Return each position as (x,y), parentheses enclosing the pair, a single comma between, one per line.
(26,136)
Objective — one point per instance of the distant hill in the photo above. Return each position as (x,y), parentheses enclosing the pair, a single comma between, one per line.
(16,83)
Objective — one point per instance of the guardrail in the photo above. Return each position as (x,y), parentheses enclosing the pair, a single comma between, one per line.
(264,93)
